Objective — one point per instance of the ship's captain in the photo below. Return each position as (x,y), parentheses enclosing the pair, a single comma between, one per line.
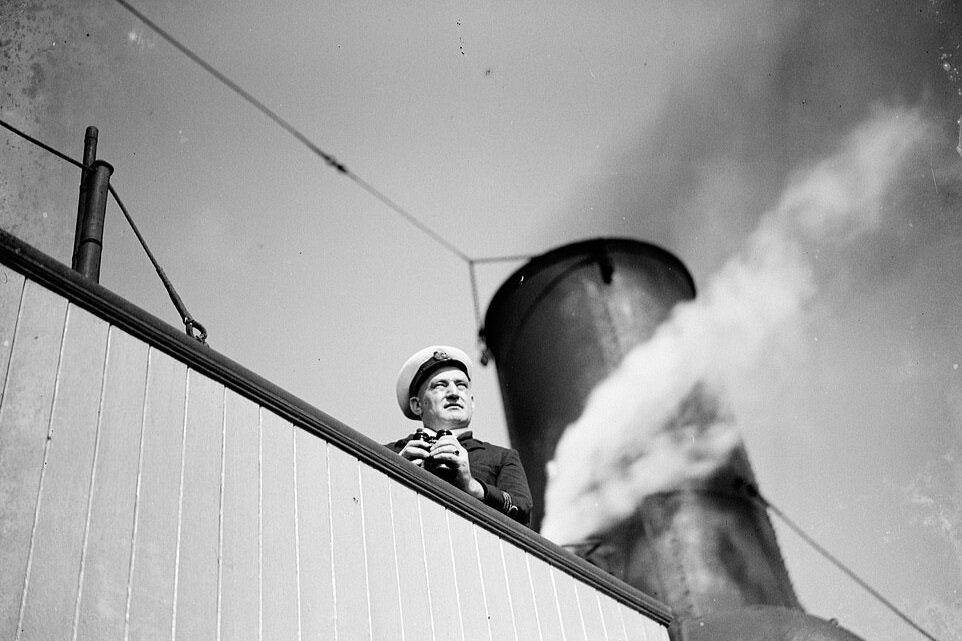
(434,387)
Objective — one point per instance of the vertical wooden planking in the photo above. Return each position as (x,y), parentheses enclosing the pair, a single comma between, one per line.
(545,599)
(151,600)
(24,418)
(411,565)
(278,554)
(635,626)
(573,626)
(467,566)
(106,561)
(350,566)
(522,598)
(612,617)
(51,597)
(198,540)
(240,609)
(381,554)
(496,592)
(316,566)
(654,631)
(591,611)
(201,525)
(442,583)
(11,292)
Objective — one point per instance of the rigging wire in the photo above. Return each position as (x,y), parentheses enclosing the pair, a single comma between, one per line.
(501,259)
(44,146)
(408,216)
(753,492)
(264,109)
(292,130)
(326,157)
(193,328)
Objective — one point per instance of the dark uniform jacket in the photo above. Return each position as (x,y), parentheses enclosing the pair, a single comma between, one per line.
(499,471)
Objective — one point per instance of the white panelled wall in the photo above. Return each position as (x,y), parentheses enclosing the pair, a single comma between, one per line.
(141,499)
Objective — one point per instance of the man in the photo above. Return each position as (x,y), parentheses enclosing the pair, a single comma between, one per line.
(434,387)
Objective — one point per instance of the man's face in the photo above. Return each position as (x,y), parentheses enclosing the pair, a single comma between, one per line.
(445,400)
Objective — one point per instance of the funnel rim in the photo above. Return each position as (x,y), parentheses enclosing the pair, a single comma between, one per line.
(587,246)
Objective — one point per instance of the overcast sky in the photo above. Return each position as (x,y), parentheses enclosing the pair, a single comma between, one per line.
(510,129)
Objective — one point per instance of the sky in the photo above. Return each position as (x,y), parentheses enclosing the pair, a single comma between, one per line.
(510,129)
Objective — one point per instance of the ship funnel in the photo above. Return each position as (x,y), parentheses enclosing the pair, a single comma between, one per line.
(702,543)
(562,323)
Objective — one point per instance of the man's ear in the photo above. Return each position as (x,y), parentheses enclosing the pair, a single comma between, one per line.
(415,404)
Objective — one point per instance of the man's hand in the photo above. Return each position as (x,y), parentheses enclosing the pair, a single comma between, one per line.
(448,452)
(416,451)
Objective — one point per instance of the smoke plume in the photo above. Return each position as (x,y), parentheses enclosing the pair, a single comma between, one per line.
(659,420)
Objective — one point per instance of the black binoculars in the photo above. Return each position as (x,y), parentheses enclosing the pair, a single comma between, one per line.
(421,435)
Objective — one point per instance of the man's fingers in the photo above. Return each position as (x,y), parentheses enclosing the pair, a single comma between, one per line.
(450,452)
(413,452)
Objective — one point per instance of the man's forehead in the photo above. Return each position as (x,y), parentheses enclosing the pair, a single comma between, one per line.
(449,373)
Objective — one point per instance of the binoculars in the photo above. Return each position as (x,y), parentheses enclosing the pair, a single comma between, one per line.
(421,435)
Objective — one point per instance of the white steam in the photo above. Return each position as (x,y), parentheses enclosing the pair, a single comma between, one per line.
(633,438)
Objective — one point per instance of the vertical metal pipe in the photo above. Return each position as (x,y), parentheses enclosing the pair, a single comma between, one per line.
(90,155)
(90,244)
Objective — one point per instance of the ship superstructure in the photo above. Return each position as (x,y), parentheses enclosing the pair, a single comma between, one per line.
(153,489)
